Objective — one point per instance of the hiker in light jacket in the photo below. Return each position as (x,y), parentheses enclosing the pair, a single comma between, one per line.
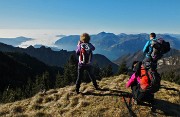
(147,50)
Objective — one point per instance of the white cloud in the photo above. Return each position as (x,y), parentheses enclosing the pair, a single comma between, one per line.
(41,36)
(44,37)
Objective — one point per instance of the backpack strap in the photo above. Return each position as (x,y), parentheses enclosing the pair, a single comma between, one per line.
(146,74)
(149,80)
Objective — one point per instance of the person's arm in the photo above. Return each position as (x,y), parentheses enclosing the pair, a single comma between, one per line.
(131,80)
(146,47)
(78,48)
(92,47)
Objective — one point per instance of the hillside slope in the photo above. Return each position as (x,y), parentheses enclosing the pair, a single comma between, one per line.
(55,58)
(107,102)
(17,68)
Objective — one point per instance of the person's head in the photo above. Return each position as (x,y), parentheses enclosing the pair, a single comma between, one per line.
(85,38)
(152,36)
(134,64)
(136,67)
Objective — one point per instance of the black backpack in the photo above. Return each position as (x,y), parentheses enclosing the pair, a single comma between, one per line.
(160,47)
(154,80)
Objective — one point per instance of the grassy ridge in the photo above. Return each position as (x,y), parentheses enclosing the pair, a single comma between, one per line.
(107,102)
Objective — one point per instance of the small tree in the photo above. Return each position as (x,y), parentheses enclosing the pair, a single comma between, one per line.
(28,88)
(106,71)
(122,68)
(109,70)
(97,70)
(59,81)
(42,83)
(70,70)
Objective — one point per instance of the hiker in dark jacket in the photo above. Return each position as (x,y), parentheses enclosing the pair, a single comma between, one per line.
(137,85)
(84,51)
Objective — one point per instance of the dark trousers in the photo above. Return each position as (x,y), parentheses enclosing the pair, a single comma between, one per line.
(150,63)
(142,96)
(80,75)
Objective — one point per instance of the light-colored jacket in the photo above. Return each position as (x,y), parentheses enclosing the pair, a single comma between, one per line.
(148,49)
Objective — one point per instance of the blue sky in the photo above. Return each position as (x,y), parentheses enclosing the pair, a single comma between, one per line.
(92,16)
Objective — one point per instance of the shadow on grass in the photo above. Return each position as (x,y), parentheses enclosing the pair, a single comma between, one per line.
(168,108)
(173,89)
(112,93)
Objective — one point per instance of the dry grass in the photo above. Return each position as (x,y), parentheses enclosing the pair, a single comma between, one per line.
(17,109)
(36,107)
(108,102)
(39,100)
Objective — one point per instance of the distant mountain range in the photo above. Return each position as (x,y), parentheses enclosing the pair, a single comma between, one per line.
(40,45)
(171,58)
(175,35)
(14,41)
(109,44)
(113,46)
(168,65)
(55,58)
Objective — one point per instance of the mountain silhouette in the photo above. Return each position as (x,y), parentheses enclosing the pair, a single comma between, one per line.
(55,58)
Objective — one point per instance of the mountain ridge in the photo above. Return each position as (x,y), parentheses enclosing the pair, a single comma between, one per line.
(139,56)
(55,58)
(109,44)
(114,46)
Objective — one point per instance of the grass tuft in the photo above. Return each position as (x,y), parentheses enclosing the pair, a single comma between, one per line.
(41,114)
(39,100)
(37,107)
(48,99)
(17,109)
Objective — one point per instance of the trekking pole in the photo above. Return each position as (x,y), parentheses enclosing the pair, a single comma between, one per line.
(132,114)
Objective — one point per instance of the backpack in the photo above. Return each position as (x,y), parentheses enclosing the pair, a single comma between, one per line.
(160,47)
(85,53)
(149,80)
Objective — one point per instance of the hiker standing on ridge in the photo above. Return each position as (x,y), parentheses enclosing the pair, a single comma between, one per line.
(148,50)
(154,50)
(84,51)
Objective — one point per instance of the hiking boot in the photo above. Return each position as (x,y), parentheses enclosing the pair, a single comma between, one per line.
(134,101)
(153,106)
(153,109)
(97,87)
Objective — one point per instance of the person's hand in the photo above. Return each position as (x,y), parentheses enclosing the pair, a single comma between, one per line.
(79,42)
